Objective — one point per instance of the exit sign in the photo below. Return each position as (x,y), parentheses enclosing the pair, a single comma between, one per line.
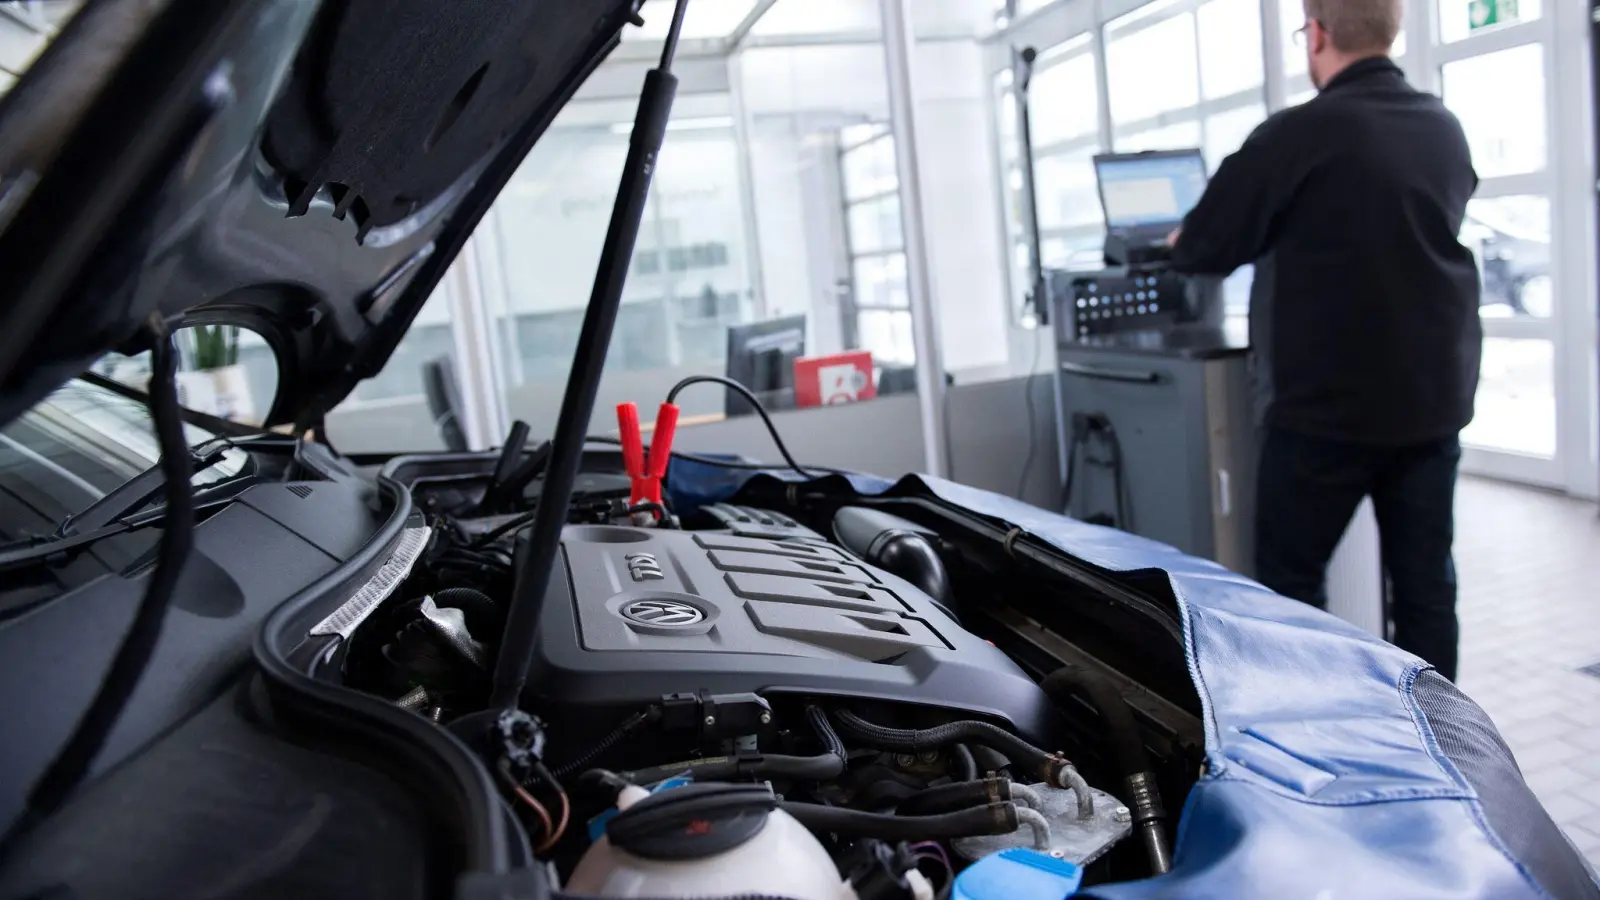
(1488,13)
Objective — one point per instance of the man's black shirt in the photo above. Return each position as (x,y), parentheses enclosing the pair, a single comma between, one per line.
(1365,311)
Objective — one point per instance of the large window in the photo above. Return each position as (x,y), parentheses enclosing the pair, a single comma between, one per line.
(1208,93)
(688,278)
(1138,85)
(1499,98)
(1064,123)
(880,308)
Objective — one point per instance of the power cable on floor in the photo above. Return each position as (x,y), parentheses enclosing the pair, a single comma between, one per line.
(1033,416)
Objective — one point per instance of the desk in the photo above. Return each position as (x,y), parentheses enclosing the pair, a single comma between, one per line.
(684,422)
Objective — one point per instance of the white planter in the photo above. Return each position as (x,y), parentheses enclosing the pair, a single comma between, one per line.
(224,393)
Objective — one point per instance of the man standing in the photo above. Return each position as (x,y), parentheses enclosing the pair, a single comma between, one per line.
(1363,318)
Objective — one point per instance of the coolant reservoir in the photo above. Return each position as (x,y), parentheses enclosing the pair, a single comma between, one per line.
(707,840)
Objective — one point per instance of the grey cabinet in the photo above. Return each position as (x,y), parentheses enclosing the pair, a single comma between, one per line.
(1183,425)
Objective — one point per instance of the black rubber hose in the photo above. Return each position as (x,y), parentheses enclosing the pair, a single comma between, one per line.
(966,763)
(604,780)
(1128,754)
(957,795)
(1129,757)
(993,818)
(1046,766)
(988,759)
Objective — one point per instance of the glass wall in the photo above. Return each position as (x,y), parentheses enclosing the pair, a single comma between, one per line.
(881,319)
(772,232)
(1064,109)
(1197,73)
(1492,71)
(1207,92)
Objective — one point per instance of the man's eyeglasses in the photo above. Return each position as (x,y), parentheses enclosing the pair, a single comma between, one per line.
(1301,32)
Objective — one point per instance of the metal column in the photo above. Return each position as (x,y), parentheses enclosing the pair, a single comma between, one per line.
(747,184)
(483,413)
(899,45)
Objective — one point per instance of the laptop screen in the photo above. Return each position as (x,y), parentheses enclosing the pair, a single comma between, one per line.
(1147,189)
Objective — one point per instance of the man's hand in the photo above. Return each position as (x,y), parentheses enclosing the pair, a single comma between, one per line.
(1172,239)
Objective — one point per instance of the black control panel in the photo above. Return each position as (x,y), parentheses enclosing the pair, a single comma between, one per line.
(1108,302)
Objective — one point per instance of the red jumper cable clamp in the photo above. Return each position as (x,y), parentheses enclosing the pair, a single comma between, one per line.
(645,472)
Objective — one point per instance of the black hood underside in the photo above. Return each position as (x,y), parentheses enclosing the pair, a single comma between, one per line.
(305,169)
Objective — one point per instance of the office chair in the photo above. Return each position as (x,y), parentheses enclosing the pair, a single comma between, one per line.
(444,401)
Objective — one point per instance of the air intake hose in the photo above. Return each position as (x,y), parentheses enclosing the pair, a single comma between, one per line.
(896,546)
(1128,755)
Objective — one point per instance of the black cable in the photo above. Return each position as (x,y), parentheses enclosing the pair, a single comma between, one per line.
(1078,440)
(629,726)
(749,395)
(72,763)
(1033,418)
(825,766)
(503,529)
(1119,484)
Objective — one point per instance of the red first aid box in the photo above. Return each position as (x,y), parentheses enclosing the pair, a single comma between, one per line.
(836,378)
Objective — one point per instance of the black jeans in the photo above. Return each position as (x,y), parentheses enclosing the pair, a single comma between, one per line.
(1307,491)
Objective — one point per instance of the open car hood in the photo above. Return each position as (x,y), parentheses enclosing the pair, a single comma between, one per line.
(307,169)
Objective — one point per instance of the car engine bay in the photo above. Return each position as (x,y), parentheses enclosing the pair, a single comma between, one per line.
(803,685)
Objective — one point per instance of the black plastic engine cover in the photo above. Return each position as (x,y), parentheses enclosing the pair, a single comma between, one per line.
(766,607)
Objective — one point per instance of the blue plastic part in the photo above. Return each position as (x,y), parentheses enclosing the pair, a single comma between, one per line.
(1017,874)
(597,825)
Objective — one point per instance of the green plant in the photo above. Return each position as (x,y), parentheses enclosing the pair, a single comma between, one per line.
(215,346)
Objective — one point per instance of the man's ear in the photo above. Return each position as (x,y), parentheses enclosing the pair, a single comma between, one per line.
(1317,37)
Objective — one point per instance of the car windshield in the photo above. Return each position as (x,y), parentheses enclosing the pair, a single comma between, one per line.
(71,449)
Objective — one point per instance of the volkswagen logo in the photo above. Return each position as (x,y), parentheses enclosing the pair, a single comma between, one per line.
(662,612)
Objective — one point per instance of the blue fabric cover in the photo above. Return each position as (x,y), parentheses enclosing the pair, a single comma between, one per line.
(1323,779)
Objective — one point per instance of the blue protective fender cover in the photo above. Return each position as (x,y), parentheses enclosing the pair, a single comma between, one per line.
(1017,874)
(1323,776)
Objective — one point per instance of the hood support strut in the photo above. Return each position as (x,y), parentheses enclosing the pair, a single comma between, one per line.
(537,556)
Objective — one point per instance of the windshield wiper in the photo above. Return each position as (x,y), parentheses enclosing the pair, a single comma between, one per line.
(116,513)
(137,492)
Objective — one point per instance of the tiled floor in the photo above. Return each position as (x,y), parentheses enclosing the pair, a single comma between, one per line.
(1529,564)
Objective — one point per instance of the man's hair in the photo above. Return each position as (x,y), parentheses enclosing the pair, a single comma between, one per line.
(1358,26)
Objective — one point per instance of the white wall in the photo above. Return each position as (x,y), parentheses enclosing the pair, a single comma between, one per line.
(961,205)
